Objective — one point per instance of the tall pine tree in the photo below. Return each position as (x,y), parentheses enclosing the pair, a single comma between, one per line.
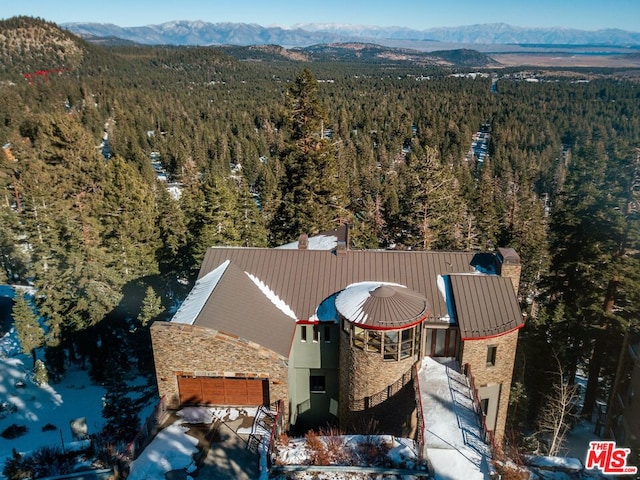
(312,199)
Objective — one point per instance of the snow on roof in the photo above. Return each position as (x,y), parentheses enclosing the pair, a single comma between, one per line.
(351,300)
(271,295)
(452,438)
(319,242)
(444,291)
(198,296)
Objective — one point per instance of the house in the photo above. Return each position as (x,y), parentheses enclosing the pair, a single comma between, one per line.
(622,420)
(331,331)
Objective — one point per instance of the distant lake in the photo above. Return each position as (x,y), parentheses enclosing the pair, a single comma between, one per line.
(6,305)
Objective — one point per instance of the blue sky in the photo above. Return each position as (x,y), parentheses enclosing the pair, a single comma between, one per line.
(417,14)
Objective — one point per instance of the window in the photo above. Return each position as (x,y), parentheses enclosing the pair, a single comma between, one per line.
(440,344)
(316,333)
(303,333)
(406,344)
(391,345)
(327,334)
(317,384)
(484,404)
(492,350)
(357,337)
(374,341)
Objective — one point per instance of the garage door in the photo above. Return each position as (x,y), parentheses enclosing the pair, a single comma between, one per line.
(223,391)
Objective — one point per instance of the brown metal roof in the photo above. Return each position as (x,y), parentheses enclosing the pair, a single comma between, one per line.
(238,307)
(485,305)
(304,278)
(384,306)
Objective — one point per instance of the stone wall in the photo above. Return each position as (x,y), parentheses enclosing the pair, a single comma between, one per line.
(474,352)
(363,374)
(186,349)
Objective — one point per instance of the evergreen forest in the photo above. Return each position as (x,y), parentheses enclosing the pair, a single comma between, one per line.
(262,147)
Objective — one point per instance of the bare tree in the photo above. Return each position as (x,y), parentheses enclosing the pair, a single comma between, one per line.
(558,412)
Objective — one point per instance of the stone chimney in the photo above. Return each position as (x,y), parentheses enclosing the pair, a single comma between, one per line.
(509,266)
(303,242)
(341,248)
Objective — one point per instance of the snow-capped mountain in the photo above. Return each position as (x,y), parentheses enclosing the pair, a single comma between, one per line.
(204,33)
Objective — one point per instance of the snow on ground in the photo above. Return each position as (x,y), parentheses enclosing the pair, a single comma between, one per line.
(453,440)
(171,449)
(36,406)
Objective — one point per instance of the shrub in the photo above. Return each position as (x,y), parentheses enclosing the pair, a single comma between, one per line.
(48,427)
(334,442)
(40,374)
(318,454)
(13,431)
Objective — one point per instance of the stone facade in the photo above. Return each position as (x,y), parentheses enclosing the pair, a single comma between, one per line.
(474,353)
(509,266)
(180,349)
(364,374)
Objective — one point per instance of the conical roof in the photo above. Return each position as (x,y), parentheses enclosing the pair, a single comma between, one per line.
(381,305)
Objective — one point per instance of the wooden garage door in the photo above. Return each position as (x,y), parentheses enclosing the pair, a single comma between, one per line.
(223,391)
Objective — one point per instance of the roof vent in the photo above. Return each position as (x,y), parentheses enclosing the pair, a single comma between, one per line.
(303,242)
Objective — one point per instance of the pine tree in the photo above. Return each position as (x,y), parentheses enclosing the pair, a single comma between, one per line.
(312,199)
(432,211)
(30,333)
(151,307)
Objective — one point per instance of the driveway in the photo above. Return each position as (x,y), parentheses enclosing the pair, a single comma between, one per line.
(223,452)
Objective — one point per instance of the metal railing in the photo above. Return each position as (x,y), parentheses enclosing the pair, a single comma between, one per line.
(487,433)
(389,391)
(420,426)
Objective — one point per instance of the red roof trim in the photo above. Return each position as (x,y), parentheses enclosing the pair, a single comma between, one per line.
(364,326)
(464,339)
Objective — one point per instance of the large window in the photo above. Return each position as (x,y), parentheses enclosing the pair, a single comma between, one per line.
(441,342)
(394,345)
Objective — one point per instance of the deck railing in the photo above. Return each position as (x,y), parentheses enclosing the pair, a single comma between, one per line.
(389,391)
(488,435)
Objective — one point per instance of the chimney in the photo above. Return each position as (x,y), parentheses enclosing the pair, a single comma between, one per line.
(341,248)
(509,266)
(303,242)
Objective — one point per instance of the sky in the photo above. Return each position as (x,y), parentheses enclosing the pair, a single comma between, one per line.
(415,14)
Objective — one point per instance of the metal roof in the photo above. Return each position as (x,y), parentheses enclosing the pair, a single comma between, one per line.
(302,279)
(485,305)
(381,305)
(238,306)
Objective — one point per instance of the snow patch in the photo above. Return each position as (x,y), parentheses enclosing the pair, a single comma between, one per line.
(349,302)
(271,295)
(198,296)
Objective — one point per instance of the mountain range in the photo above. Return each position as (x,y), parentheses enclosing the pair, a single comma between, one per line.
(485,37)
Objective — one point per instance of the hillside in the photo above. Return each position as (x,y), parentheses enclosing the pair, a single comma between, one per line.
(29,45)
